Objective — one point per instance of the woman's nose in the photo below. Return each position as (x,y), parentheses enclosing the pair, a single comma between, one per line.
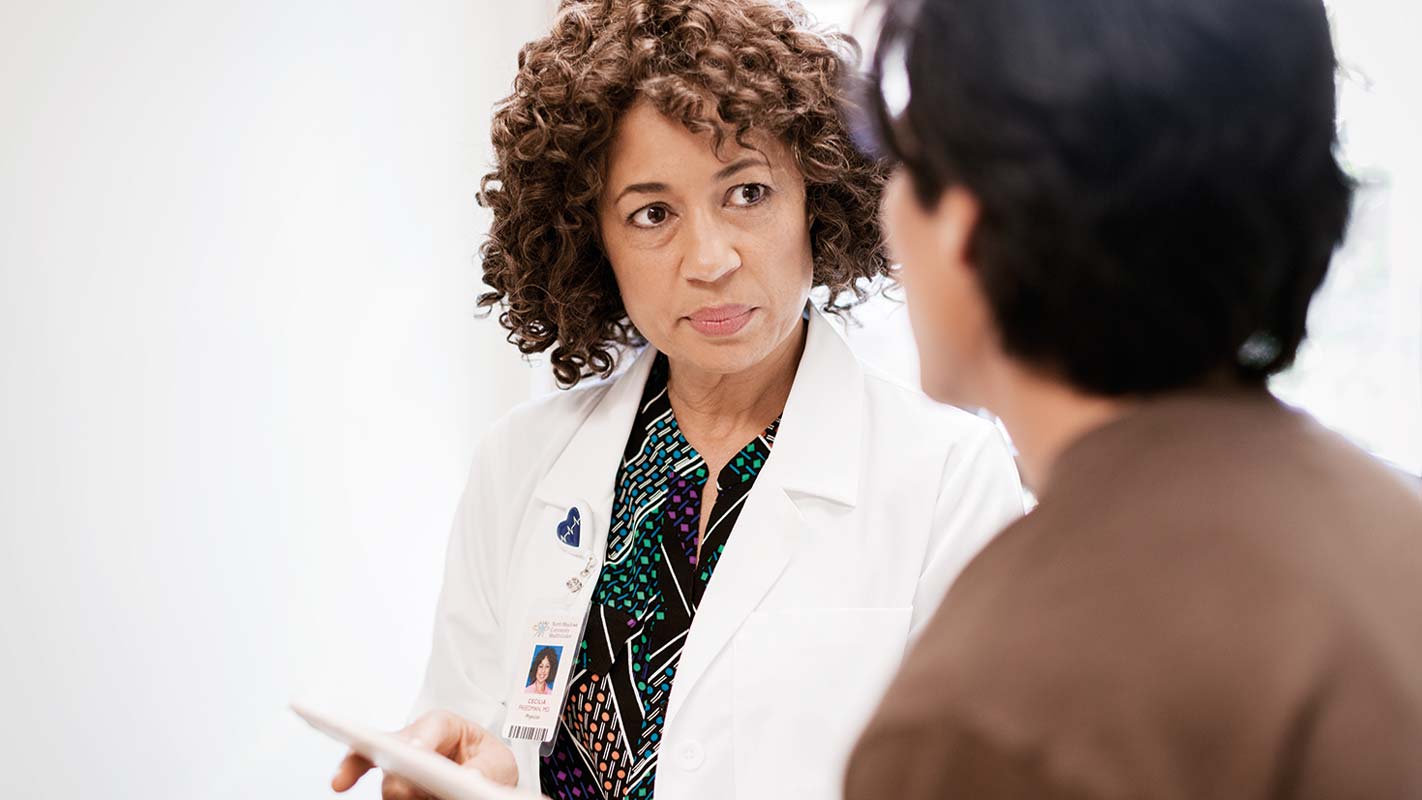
(710,254)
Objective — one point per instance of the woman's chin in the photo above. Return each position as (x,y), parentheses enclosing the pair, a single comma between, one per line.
(722,357)
(725,355)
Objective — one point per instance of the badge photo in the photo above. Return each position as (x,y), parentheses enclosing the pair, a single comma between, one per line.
(543,670)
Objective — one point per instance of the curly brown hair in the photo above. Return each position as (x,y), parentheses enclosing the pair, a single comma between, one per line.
(717,66)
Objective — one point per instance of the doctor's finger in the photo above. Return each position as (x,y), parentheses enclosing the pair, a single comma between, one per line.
(352,767)
(440,731)
(396,788)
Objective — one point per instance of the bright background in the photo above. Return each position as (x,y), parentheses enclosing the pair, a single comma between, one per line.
(242,377)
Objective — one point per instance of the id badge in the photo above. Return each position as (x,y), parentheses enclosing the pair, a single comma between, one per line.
(535,702)
(550,638)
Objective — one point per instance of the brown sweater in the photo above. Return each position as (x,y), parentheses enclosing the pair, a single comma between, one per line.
(1216,598)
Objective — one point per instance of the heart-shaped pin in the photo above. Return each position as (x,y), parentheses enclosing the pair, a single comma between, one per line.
(570,530)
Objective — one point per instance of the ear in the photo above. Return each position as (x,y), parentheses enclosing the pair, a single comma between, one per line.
(955,219)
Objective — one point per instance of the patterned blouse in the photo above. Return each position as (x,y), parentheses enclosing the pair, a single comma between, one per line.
(644,603)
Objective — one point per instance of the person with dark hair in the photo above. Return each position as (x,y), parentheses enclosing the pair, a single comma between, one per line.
(542,671)
(1111,217)
(674,176)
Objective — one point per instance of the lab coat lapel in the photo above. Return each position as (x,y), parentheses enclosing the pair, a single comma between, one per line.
(587,469)
(817,453)
(585,472)
(750,565)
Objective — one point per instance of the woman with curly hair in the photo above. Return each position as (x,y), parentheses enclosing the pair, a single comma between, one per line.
(542,672)
(743,501)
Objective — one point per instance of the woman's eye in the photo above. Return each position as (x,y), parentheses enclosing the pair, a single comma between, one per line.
(749,194)
(650,216)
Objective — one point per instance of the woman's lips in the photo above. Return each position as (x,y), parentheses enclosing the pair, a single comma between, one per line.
(720,320)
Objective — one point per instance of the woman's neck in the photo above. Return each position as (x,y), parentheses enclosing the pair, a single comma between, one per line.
(712,407)
(1045,417)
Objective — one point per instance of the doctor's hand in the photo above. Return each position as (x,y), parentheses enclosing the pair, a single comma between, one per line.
(451,736)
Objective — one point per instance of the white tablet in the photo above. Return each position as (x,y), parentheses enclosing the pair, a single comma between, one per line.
(430,771)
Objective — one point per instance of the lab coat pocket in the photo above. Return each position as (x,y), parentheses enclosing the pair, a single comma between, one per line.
(806,681)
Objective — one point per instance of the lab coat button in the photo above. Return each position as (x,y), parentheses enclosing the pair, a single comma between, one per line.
(691,756)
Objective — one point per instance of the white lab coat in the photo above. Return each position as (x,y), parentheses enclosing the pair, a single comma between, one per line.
(872,500)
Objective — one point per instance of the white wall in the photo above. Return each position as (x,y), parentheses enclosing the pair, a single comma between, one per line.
(242,378)
(1360,371)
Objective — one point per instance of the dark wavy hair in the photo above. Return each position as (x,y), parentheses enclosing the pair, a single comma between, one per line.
(1159,196)
(717,66)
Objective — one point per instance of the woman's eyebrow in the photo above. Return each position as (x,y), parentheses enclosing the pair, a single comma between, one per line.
(640,188)
(737,166)
(727,171)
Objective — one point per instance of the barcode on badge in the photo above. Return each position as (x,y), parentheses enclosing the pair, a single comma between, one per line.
(524,732)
